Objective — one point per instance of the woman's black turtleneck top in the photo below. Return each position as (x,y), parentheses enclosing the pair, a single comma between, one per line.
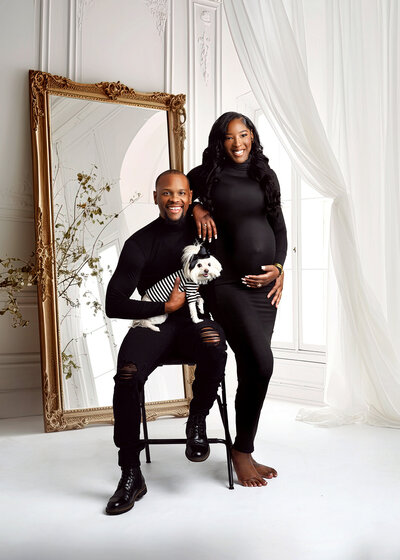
(149,255)
(247,237)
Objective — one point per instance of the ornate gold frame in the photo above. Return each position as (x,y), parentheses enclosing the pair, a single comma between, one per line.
(41,84)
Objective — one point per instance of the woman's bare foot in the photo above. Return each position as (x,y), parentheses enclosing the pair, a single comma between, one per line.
(263,470)
(245,470)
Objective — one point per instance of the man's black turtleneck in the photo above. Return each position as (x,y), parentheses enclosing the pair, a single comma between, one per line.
(149,255)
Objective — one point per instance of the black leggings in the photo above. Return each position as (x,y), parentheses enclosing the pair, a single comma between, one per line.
(247,317)
(142,350)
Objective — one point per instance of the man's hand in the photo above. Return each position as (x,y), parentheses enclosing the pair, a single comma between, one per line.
(176,299)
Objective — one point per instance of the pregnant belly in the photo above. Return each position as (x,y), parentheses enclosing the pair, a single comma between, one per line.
(249,247)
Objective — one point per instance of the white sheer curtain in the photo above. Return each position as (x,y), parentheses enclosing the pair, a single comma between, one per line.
(355,161)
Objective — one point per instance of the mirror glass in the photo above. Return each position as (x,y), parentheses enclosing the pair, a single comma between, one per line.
(105,158)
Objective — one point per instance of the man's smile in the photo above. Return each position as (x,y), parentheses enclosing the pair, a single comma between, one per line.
(174,209)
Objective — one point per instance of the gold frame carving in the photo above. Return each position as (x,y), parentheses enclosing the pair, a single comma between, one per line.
(41,84)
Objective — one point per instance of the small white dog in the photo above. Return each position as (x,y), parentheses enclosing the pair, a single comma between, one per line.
(198,267)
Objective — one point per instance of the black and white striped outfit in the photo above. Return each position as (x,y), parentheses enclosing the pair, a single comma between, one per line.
(163,288)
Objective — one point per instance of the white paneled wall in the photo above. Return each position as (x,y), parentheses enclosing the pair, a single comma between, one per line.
(151,45)
(205,77)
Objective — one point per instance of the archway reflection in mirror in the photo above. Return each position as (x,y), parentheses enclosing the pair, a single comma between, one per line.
(105,159)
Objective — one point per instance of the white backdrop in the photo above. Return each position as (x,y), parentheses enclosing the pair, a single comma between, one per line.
(354,161)
(171,46)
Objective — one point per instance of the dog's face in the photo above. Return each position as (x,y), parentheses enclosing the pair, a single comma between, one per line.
(205,270)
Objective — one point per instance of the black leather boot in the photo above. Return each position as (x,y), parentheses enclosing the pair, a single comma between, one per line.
(197,447)
(131,487)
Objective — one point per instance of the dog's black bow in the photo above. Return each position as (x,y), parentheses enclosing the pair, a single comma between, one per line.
(202,254)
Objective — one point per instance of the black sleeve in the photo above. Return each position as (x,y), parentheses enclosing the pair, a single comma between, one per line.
(124,282)
(279,228)
(195,179)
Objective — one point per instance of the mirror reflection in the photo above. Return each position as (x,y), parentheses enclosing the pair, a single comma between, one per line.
(105,158)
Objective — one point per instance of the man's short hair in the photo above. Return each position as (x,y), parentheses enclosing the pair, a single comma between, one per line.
(168,172)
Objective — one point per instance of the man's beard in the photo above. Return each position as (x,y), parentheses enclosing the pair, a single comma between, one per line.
(177,222)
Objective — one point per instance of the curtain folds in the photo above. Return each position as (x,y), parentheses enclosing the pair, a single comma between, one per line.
(355,161)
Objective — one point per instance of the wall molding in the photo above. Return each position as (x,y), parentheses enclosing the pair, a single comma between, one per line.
(169,49)
(36,31)
(22,358)
(218,61)
(15,215)
(20,376)
(18,197)
(298,381)
(205,38)
(76,18)
(159,10)
(19,403)
(16,207)
(26,297)
(72,64)
(80,11)
(295,393)
(44,35)
(20,390)
(204,41)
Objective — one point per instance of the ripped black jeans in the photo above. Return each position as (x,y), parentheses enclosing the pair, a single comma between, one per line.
(142,350)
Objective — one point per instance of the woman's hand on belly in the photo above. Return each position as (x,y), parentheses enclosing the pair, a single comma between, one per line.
(260,280)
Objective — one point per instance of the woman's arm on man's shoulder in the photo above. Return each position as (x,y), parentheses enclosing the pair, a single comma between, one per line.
(205,225)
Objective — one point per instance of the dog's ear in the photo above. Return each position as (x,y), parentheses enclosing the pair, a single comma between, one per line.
(193,262)
(203,253)
(189,252)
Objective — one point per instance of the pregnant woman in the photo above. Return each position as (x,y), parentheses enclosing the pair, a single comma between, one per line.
(239,199)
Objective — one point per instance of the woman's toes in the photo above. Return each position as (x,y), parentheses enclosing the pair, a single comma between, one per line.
(246,470)
(263,470)
(253,483)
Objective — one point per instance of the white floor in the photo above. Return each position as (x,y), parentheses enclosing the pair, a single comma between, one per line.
(337,496)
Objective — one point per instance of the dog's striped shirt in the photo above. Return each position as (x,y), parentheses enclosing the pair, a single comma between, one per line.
(162,289)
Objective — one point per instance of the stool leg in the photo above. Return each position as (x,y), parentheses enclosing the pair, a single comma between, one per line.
(228,442)
(145,432)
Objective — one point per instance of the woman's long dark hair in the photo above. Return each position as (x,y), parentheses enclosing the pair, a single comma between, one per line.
(215,158)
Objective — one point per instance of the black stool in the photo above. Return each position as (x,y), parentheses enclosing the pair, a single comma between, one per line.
(221,400)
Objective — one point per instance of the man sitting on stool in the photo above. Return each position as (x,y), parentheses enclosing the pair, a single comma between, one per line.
(149,255)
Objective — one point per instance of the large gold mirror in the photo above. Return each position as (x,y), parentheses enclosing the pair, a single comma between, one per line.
(97,149)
